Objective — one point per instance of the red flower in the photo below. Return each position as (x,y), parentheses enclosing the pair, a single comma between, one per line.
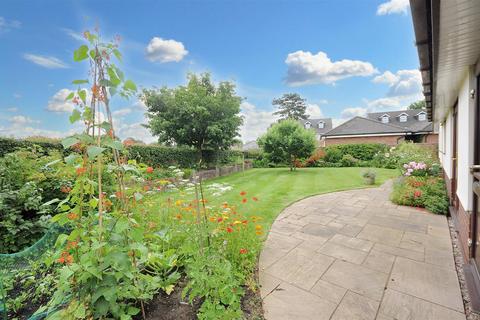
(220,219)
(229,230)
(81,171)
(243,193)
(149,170)
(244,200)
(243,251)
(255,199)
(417,194)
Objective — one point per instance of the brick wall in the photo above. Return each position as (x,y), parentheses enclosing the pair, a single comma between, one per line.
(390,140)
(462,222)
(431,138)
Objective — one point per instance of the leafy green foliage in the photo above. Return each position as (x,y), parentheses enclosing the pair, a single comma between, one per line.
(28,179)
(361,151)
(287,142)
(428,192)
(199,114)
(418,105)
(291,106)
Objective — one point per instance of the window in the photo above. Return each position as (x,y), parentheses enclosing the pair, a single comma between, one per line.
(403,118)
(385,119)
(422,117)
(307,125)
(321,125)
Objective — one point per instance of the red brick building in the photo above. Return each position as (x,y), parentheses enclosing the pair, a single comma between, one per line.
(390,128)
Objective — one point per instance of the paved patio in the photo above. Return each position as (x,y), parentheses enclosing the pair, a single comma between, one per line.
(355,255)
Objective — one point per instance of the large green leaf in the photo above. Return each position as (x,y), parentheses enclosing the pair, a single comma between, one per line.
(130,85)
(79,81)
(70,96)
(114,79)
(69,141)
(75,116)
(94,151)
(117,54)
(83,95)
(81,53)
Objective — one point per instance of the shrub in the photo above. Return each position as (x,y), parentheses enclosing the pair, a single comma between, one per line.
(361,151)
(349,161)
(333,154)
(28,179)
(316,156)
(426,192)
(407,152)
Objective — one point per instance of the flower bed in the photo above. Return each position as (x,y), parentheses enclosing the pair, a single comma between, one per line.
(421,186)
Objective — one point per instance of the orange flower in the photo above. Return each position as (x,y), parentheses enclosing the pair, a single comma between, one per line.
(243,193)
(258,233)
(178,216)
(146,188)
(244,200)
(65,189)
(72,216)
(243,251)
(149,170)
(229,230)
(258,227)
(255,199)
(81,171)
(69,259)
(61,260)
(225,205)
(72,244)
(212,219)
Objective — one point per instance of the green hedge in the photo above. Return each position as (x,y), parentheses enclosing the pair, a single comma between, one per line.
(361,151)
(8,145)
(157,156)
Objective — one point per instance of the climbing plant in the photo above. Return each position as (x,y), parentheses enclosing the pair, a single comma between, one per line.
(101,258)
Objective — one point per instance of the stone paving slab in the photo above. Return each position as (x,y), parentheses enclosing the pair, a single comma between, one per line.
(355,255)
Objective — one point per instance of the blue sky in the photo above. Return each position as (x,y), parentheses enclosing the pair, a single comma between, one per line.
(345,57)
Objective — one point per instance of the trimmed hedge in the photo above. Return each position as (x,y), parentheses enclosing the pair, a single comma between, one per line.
(361,151)
(157,156)
(8,145)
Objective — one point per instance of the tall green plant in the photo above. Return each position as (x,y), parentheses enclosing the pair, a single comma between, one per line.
(101,258)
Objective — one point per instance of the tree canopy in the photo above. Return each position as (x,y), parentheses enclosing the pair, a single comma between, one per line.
(199,114)
(291,106)
(418,105)
(287,141)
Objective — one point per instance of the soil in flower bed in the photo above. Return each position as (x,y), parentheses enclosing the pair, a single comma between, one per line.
(172,307)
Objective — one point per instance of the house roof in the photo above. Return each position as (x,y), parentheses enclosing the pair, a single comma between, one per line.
(314,124)
(361,125)
(412,124)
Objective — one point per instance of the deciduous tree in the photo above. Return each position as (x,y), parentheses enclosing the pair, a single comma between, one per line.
(287,141)
(199,114)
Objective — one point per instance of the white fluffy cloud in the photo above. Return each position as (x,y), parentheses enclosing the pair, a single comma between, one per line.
(307,68)
(348,113)
(160,50)
(393,6)
(7,25)
(45,61)
(403,83)
(314,111)
(255,121)
(58,104)
(22,120)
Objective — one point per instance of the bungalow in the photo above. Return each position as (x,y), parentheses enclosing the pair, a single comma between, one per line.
(448,43)
(384,127)
(321,126)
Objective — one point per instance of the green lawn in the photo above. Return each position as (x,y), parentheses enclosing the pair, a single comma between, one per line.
(276,188)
